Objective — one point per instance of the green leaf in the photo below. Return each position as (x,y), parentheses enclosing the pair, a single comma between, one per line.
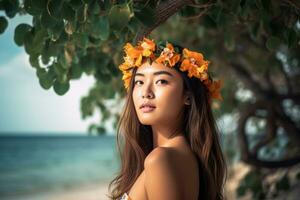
(39,37)
(45,58)
(58,69)
(94,8)
(63,62)
(133,25)
(104,26)
(81,40)
(113,69)
(34,7)
(3,24)
(75,71)
(28,42)
(100,28)
(11,8)
(62,78)
(82,13)
(35,40)
(20,32)
(145,16)
(45,78)
(119,16)
(41,72)
(61,88)
(34,60)
(48,21)
(87,1)
(76,4)
(63,38)
(273,43)
(39,4)
(54,8)
(56,31)
(67,12)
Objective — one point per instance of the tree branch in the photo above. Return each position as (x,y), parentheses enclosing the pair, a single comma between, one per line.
(161,13)
(247,78)
(270,132)
(251,157)
(273,164)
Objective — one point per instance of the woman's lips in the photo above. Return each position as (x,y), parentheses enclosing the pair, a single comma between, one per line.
(147,109)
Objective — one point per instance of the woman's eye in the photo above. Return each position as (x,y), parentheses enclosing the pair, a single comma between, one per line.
(136,82)
(162,81)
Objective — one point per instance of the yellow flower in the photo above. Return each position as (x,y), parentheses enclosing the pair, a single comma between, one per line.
(126,78)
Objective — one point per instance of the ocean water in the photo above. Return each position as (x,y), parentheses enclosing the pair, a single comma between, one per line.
(38,164)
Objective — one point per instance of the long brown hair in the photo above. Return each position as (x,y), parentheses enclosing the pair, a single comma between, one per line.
(134,142)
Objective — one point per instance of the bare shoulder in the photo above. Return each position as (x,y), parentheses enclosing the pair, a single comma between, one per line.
(161,177)
(157,155)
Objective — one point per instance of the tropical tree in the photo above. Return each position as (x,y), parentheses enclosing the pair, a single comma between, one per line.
(253,45)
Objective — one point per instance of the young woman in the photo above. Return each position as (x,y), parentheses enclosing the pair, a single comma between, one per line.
(167,136)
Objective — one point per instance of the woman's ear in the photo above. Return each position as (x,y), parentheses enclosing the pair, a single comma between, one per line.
(187,99)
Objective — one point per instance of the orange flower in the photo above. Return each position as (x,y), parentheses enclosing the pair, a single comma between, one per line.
(131,51)
(214,89)
(203,67)
(148,45)
(127,64)
(195,58)
(192,61)
(134,55)
(168,55)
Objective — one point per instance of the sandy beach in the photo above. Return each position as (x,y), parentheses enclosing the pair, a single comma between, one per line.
(91,192)
(88,192)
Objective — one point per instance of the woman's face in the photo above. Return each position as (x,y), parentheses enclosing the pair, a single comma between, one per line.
(162,88)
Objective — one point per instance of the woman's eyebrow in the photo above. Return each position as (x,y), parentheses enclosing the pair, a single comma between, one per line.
(156,73)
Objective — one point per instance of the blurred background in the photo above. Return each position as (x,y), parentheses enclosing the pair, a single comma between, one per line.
(61,91)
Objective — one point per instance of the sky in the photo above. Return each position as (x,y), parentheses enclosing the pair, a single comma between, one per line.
(25,107)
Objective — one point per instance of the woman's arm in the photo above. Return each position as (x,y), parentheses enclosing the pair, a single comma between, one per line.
(161,177)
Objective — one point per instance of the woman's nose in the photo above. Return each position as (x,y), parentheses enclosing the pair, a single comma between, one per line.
(147,92)
(148,95)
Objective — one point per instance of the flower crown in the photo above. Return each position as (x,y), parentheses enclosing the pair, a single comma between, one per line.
(192,62)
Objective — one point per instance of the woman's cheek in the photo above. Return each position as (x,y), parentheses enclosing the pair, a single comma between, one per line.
(166,99)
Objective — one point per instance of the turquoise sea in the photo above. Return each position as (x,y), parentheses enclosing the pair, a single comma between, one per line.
(45,164)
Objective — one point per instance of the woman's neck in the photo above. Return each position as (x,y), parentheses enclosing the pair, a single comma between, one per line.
(164,139)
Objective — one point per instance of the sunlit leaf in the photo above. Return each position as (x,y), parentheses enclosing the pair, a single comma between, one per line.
(119,16)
